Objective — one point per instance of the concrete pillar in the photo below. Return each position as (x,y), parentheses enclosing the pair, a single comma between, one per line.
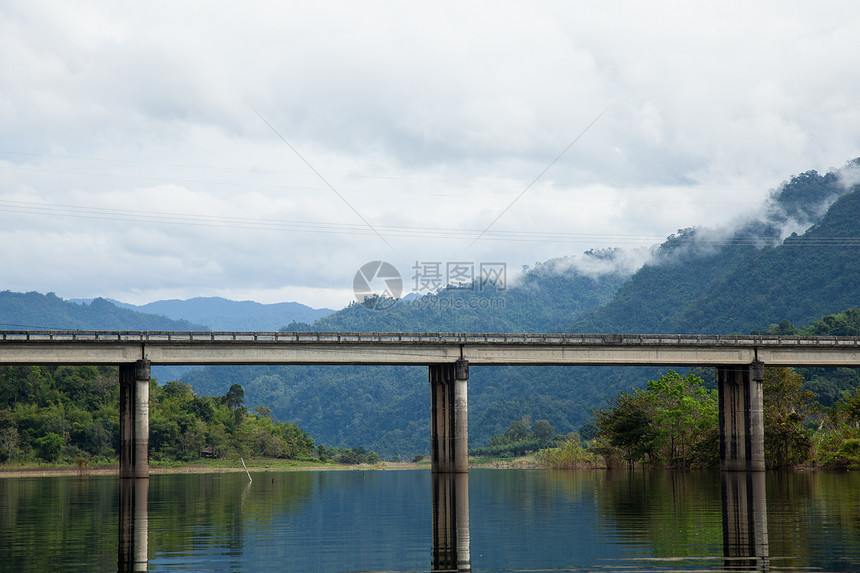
(741,417)
(461,417)
(133,546)
(449,424)
(451,539)
(134,420)
(745,543)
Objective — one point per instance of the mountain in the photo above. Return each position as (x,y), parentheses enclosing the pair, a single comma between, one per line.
(545,299)
(35,311)
(229,315)
(706,281)
(699,280)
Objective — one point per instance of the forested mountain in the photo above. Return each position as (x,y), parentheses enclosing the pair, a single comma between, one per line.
(35,311)
(711,281)
(223,314)
(700,280)
(546,299)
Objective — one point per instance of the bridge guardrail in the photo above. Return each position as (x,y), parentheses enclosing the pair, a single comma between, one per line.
(42,336)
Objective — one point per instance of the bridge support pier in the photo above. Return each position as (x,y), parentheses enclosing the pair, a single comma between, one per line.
(134,420)
(449,424)
(741,417)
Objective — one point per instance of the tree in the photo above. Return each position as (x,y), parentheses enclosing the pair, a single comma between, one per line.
(234,399)
(666,422)
(517,431)
(49,446)
(543,431)
(683,411)
(786,406)
(626,425)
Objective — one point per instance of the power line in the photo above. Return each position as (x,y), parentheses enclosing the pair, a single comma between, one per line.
(199,220)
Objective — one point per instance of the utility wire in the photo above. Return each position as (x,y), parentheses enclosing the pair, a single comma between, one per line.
(324,180)
(536,179)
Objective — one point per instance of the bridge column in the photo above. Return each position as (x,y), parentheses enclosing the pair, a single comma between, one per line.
(134,420)
(741,417)
(449,424)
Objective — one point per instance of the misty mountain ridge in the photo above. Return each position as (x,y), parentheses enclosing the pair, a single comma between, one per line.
(733,281)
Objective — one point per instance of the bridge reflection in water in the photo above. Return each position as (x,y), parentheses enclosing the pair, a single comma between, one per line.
(451,522)
(744,521)
(744,516)
(133,546)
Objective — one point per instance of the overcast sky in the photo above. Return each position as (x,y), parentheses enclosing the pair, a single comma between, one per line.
(267,150)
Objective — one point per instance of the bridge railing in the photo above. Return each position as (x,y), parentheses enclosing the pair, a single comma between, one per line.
(396,338)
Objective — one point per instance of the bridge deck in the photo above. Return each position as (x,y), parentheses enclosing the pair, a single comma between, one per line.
(188,348)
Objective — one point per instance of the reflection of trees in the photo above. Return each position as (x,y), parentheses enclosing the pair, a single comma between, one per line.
(804,511)
(539,489)
(677,514)
(49,521)
(179,502)
(42,523)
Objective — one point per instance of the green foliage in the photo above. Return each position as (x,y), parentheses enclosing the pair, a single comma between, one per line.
(48,446)
(353,456)
(846,323)
(664,424)
(786,406)
(518,439)
(58,414)
(569,455)
(543,431)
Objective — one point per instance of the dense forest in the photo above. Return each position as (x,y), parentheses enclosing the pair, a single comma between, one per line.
(70,414)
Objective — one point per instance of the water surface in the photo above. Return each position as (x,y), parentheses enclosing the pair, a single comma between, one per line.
(492,520)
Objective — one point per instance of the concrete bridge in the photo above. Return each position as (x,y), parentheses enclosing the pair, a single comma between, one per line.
(739,362)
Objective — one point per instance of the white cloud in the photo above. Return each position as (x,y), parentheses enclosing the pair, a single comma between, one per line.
(426,119)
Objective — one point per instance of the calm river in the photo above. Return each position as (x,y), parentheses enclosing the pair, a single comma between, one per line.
(492,520)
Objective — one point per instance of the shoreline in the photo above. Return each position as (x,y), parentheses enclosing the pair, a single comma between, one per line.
(73,471)
(256,466)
